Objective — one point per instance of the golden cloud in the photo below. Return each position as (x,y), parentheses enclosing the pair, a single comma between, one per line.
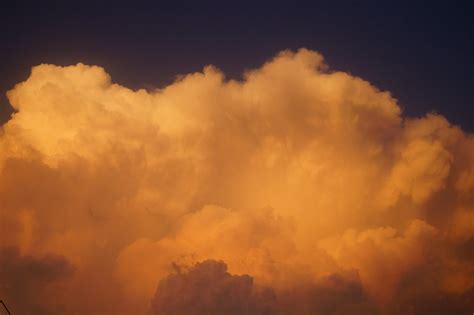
(310,181)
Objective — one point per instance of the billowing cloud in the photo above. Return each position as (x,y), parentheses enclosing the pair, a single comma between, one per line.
(293,175)
(208,288)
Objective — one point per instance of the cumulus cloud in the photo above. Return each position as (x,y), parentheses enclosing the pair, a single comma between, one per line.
(207,288)
(293,175)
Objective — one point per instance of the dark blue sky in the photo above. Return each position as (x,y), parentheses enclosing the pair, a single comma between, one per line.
(422,53)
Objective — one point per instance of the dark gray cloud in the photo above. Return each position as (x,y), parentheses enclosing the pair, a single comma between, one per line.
(207,288)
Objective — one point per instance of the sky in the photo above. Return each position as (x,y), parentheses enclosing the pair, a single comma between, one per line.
(420,52)
(236,159)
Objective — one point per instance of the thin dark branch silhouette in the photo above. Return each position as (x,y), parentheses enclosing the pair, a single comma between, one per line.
(5,307)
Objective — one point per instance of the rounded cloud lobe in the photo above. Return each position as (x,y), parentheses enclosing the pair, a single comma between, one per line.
(304,181)
(208,288)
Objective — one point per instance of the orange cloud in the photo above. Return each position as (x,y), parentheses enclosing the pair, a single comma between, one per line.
(296,176)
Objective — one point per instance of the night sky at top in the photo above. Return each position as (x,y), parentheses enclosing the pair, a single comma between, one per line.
(421,52)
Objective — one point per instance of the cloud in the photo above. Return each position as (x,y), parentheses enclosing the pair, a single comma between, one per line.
(207,288)
(291,175)
(338,293)
(26,282)
(381,255)
(420,293)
